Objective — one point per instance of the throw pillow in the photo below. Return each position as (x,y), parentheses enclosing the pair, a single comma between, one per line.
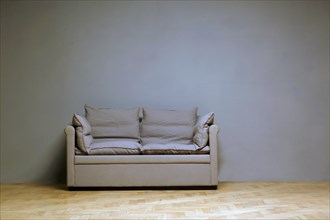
(84,138)
(201,131)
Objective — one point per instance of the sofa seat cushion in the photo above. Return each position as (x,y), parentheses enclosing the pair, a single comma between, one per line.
(173,148)
(168,126)
(114,147)
(143,159)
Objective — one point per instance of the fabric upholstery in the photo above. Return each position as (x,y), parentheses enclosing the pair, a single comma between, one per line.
(168,126)
(201,130)
(142,159)
(83,133)
(213,140)
(142,175)
(114,147)
(70,154)
(113,123)
(172,148)
(116,139)
(77,151)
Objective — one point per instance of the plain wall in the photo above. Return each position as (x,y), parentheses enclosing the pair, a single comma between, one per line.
(261,66)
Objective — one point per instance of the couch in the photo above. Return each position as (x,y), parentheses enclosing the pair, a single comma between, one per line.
(142,147)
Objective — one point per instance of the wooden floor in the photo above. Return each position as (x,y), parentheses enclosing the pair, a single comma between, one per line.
(230,201)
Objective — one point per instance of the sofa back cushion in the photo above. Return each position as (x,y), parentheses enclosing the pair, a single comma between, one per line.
(83,129)
(168,126)
(113,123)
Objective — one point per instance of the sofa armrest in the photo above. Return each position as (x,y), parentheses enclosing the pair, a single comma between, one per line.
(213,142)
(70,152)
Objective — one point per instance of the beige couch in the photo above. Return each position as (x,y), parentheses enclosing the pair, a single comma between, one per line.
(153,157)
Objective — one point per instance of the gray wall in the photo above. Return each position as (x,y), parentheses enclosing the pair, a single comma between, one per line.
(261,66)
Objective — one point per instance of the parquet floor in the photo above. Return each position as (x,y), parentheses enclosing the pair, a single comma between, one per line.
(230,201)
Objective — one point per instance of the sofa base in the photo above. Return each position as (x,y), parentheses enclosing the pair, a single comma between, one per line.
(74,188)
(142,171)
(141,175)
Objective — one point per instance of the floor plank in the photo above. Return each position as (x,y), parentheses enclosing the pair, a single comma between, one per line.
(229,201)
